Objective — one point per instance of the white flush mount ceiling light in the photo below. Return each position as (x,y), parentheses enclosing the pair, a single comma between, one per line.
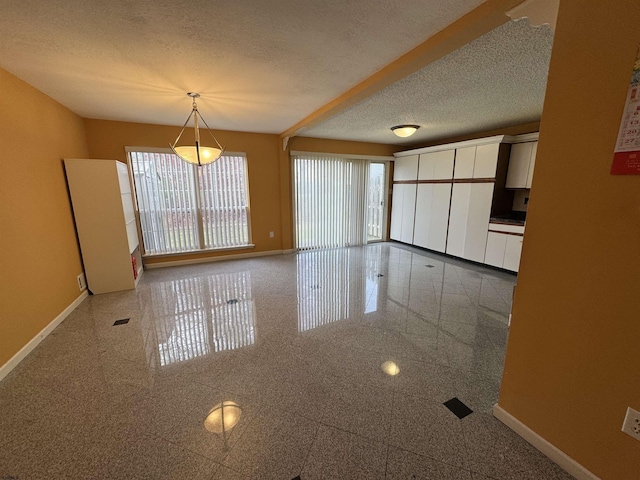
(197,153)
(404,131)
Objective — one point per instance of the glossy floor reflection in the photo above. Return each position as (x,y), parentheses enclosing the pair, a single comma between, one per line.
(324,365)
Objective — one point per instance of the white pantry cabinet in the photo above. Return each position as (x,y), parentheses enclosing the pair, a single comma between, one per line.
(432,216)
(469,219)
(402,212)
(105,221)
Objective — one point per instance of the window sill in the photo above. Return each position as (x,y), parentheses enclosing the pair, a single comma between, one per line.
(198,252)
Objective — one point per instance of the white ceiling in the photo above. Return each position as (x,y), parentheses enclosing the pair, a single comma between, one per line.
(264,66)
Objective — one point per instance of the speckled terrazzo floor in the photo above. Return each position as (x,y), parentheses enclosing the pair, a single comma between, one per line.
(274,368)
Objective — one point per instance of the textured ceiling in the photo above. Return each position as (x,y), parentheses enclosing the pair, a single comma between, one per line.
(498,80)
(260,66)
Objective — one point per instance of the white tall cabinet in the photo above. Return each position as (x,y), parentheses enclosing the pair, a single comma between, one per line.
(403,200)
(471,200)
(435,172)
(105,222)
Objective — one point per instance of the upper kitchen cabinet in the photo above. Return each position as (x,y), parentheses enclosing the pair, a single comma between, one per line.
(436,165)
(486,162)
(405,168)
(522,162)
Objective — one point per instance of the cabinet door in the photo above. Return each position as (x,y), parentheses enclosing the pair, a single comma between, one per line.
(408,213)
(478,221)
(496,245)
(443,165)
(519,165)
(465,159)
(532,162)
(486,161)
(436,165)
(405,168)
(402,212)
(397,198)
(458,215)
(512,252)
(422,224)
(440,205)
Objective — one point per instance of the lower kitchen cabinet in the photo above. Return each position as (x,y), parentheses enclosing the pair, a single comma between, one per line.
(512,253)
(496,245)
(504,246)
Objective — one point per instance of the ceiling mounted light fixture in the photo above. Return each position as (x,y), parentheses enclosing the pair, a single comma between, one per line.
(405,130)
(197,154)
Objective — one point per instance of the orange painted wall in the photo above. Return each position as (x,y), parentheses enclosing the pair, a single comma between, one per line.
(573,357)
(39,254)
(269,172)
(107,139)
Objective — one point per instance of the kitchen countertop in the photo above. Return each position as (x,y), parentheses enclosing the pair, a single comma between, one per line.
(507,220)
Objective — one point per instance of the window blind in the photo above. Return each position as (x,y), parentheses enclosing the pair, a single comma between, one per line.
(330,201)
(185,208)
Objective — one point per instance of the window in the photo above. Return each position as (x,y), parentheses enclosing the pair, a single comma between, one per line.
(185,208)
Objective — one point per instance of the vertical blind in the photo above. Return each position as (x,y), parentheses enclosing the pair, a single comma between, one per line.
(184,207)
(330,201)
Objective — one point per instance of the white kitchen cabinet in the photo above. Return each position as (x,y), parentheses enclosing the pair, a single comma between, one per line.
(436,165)
(405,168)
(432,216)
(105,222)
(465,160)
(521,163)
(486,162)
(496,245)
(422,224)
(504,246)
(532,163)
(512,253)
(458,215)
(403,212)
(469,220)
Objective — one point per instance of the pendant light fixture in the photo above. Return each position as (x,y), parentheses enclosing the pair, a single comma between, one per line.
(197,153)
(404,131)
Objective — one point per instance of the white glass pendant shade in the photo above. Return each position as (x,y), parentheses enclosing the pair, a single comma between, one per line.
(196,153)
(190,154)
(404,131)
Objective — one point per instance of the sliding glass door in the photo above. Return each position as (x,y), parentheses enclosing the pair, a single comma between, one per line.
(338,202)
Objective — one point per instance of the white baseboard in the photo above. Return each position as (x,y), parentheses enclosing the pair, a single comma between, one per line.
(222,258)
(33,343)
(563,460)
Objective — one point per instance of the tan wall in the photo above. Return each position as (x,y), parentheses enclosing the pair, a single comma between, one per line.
(108,139)
(269,171)
(572,364)
(308,144)
(39,255)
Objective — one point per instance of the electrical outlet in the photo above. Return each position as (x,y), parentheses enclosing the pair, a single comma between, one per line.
(82,282)
(631,424)
(271,234)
